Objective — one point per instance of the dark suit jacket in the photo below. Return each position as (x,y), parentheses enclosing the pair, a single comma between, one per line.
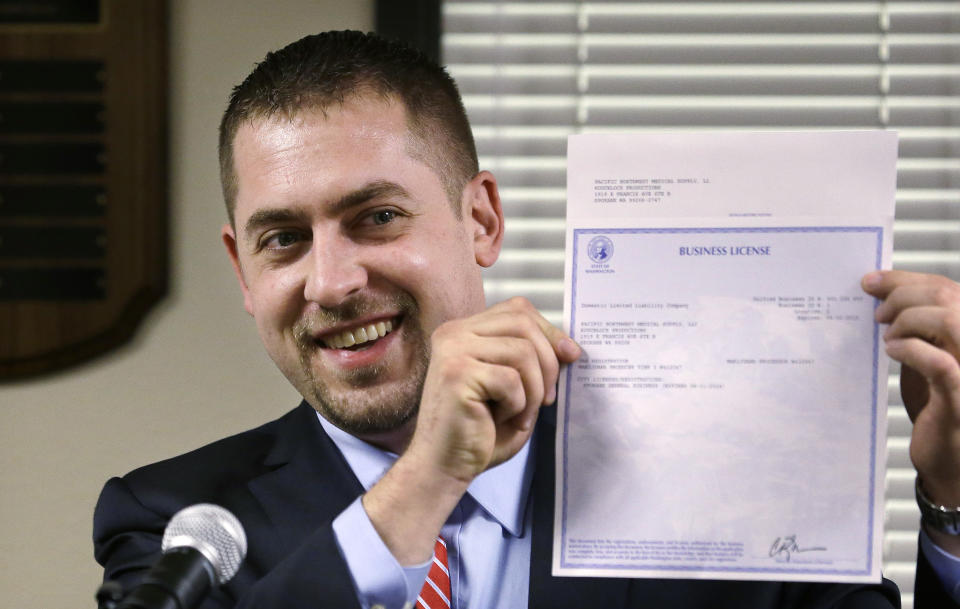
(286,481)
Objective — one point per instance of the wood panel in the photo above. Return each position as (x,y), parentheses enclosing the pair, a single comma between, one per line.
(82,181)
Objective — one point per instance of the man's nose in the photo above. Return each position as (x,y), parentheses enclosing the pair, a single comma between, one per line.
(335,272)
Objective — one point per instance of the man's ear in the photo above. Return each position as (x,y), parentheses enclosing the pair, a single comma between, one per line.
(229,238)
(483,214)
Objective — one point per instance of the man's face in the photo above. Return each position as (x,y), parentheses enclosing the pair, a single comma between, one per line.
(342,237)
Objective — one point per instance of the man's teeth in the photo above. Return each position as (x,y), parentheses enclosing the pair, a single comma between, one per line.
(358,336)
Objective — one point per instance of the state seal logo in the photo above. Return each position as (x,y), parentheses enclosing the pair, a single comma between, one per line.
(600,249)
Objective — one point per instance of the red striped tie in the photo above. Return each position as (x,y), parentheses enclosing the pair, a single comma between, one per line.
(435,593)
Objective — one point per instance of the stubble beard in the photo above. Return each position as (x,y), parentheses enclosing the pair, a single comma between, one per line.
(367,408)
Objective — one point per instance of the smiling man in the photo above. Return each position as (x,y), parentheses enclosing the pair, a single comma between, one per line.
(359,227)
(339,237)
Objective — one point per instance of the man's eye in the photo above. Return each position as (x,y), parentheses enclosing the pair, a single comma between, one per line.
(384,216)
(280,240)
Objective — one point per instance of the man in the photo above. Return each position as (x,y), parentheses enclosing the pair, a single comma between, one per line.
(359,225)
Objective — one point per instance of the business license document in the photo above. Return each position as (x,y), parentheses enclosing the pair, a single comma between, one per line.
(728,417)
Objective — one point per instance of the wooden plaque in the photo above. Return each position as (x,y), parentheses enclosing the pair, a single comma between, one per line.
(83,214)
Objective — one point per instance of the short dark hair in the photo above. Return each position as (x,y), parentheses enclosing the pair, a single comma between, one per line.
(329,68)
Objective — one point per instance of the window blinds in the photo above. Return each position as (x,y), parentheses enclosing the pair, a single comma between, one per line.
(532,73)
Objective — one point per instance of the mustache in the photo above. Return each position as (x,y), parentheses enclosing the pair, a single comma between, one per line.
(350,310)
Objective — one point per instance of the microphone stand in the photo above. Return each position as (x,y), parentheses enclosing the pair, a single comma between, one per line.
(109,594)
(181,579)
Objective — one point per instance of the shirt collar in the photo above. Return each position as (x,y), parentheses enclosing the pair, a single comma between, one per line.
(501,491)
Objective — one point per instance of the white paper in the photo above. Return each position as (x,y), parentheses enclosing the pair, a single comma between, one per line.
(728,417)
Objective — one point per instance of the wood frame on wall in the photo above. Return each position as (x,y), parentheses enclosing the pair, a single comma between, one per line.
(83,181)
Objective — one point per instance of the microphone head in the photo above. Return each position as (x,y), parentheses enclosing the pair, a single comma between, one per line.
(214,532)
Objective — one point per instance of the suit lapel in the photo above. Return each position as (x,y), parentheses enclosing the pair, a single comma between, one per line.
(308,485)
(546,591)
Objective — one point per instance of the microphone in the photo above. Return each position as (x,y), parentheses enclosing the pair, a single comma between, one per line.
(203,546)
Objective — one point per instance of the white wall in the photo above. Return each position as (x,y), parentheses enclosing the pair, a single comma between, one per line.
(196,370)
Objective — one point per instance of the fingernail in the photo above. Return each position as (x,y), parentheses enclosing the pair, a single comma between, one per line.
(880,313)
(872,279)
(528,422)
(569,348)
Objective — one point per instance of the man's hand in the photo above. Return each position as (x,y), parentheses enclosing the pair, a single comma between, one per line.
(489,375)
(924,335)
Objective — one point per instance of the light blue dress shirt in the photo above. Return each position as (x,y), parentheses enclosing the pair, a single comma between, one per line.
(488,536)
(946,566)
